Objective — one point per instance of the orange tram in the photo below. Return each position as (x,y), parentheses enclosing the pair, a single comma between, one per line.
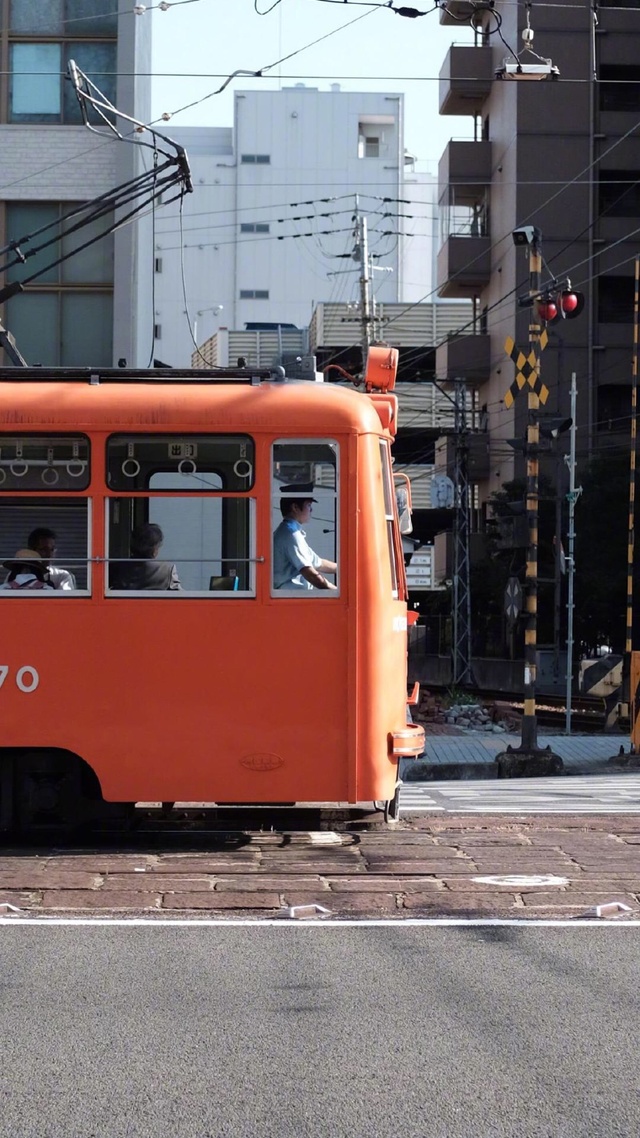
(225,683)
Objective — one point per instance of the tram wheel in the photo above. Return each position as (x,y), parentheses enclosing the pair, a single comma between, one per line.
(47,792)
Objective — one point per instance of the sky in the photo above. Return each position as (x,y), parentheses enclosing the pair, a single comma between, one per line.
(198,43)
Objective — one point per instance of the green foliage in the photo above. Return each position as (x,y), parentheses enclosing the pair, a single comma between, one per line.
(459,697)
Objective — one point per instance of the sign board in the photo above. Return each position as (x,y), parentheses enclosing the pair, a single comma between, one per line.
(512,599)
(419,571)
(442,492)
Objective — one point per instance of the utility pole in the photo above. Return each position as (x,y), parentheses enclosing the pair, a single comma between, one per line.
(572,497)
(361,253)
(461,560)
(632,656)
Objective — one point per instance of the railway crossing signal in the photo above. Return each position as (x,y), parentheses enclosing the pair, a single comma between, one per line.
(527,370)
(528,758)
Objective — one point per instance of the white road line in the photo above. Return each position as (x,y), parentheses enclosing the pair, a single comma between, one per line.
(348,922)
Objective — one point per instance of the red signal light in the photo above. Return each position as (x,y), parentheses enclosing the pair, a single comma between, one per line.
(547,309)
(569,302)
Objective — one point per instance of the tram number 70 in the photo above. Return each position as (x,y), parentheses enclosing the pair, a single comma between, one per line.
(26,678)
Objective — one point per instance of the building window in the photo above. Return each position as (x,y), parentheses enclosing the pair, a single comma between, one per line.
(614,407)
(619,193)
(38,90)
(255,159)
(615,300)
(95,18)
(65,317)
(375,133)
(620,87)
(253,227)
(254,294)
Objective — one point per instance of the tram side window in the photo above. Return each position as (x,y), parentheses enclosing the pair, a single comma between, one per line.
(36,518)
(304,516)
(189,532)
(198,546)
(59,530)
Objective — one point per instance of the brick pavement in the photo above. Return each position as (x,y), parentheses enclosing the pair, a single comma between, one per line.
(423,868)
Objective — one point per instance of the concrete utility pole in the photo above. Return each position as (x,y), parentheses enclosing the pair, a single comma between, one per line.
(572,497)
(632,656)
(366,305)
(461,560)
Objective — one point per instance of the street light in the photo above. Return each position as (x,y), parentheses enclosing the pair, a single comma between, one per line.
(215,308)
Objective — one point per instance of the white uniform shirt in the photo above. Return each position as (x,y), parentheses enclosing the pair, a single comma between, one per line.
(291,553)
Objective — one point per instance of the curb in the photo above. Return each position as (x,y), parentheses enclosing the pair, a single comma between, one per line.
(459,772)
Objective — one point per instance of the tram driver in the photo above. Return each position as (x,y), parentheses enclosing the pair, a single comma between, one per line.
(144,571)
(295,564)
(44,542)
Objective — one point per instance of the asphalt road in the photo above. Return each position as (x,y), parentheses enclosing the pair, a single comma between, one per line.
(287,1031)
(587,794)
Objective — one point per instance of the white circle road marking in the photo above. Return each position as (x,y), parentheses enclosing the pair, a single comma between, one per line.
(522,879)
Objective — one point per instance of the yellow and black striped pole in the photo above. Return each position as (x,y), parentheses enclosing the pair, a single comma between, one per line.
(630,646)
(528,758)
(529,725)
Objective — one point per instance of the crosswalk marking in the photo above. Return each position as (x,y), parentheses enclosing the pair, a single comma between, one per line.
(613,794)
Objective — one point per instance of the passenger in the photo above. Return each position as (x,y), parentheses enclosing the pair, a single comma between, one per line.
(295,563)
(144,572)
(44,542)
(27,570)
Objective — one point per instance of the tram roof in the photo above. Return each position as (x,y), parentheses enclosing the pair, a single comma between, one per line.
(111,399)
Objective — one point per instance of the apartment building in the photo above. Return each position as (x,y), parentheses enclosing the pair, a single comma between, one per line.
(563,155)
(93,308)
(269,230)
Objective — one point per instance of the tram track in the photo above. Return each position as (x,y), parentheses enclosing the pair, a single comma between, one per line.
(202,828)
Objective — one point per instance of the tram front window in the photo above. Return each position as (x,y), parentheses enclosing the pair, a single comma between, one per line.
(304,497)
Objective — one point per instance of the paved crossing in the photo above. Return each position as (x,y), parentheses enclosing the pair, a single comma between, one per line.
(590,794)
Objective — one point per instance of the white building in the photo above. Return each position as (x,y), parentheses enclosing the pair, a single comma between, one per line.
(269,229)
(93,308)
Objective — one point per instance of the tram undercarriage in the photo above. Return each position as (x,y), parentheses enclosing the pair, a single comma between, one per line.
(46,793)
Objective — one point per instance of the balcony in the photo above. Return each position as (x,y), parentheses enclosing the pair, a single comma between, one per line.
(464,266)
(466,166)
(465,356)
(465,79)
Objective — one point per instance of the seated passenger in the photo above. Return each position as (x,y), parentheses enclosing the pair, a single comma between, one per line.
(295,564)
(144,572)
(27,570)
(44,542)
